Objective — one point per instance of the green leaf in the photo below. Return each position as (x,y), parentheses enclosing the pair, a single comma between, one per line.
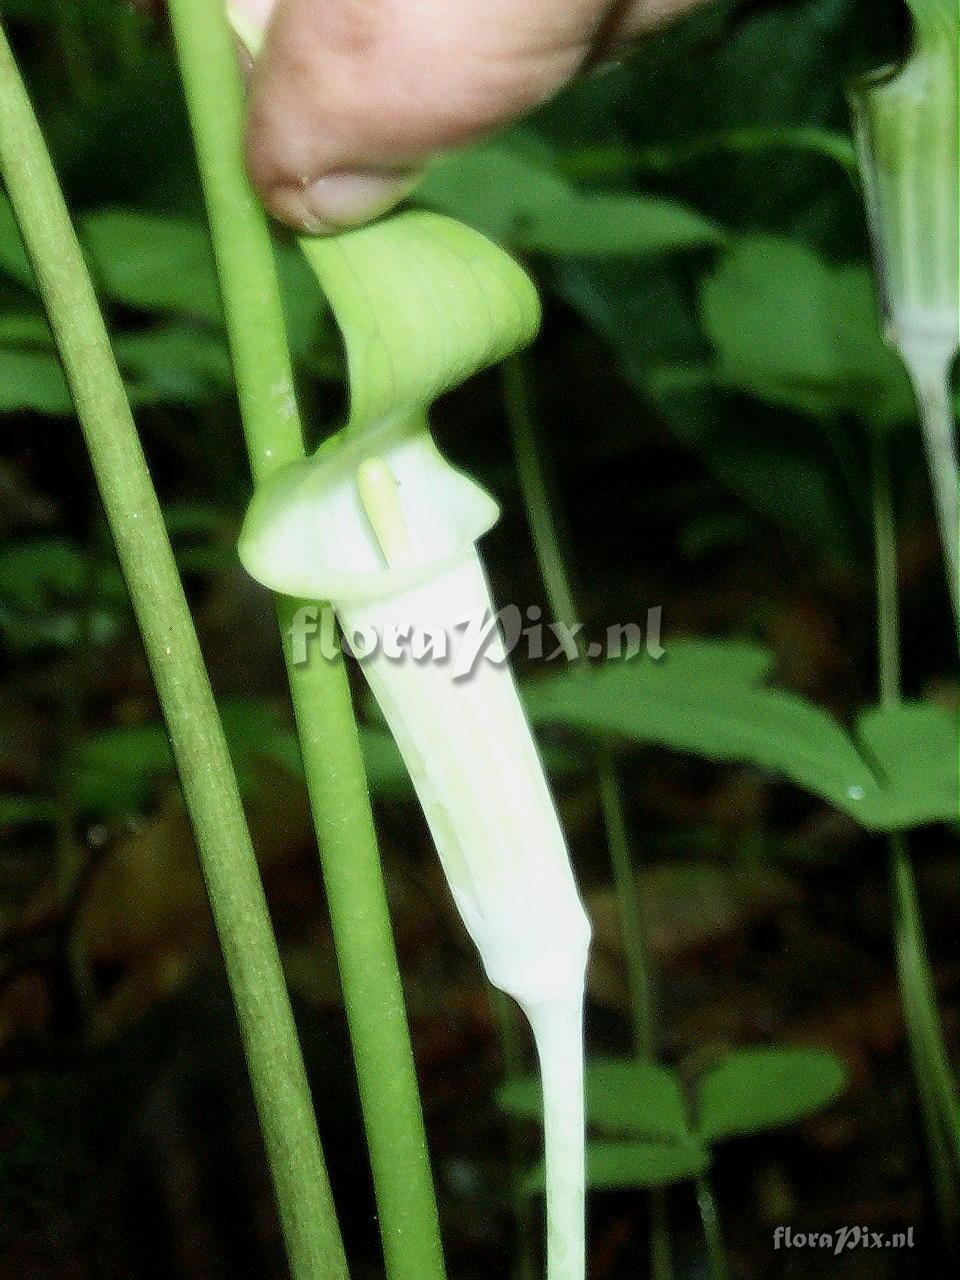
(40,572)
(19,811)
(174,363)
(757,1089)
(387,775)
(913,749)
(303,307)
(422,302)
(623,1096)
(613,161)
(795,476)
(256,731)
(153,262)
(622,1165)
(113,772)
(522,202)
(792,330)
(705,698)
(27,329)
(13,257)
(521,1096)
(34,381)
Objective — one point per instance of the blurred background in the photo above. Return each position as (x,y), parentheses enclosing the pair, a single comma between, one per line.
(706,393)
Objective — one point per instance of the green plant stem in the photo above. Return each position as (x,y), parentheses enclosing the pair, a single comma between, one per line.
(321,696)
(716,1251)
(885,553)
(935,1083)
(209,786)
(639,976)
(639,981)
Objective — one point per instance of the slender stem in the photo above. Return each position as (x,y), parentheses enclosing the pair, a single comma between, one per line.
(639,982)
(209,786)
(935,1084)
(321,696)
(639,976)
(885,554)
(716,1252)
(558,1034)
(536,498)
(506,1017)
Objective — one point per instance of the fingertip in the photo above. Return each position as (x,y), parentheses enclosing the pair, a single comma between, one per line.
(338,200)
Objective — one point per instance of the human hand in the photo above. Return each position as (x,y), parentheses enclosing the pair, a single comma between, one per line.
(349,97)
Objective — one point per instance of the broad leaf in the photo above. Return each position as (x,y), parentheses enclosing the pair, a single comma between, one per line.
(757,1089)
(613,161)
(522,202)
(795,331)
(20,811)
(153,262)
(114,771)
(53,592)
(623,1096)
(913,748)
(13,257)
(174,363)
(34,381)
(26,329)
(39,573)
(706,699)
(622,1165)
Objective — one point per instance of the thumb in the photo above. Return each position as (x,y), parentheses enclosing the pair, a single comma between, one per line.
(350,96)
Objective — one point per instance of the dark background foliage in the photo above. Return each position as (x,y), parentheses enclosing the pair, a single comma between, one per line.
(708,386)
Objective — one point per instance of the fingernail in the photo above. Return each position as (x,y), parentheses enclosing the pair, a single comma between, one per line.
(344,198)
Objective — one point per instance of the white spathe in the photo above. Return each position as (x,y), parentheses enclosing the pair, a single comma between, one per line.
(382,526)
(319,532)
(470,753)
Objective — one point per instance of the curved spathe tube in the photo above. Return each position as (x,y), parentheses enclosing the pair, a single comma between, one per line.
(385,528)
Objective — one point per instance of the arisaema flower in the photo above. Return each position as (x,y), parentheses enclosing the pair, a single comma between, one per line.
(382,526)
(908,136)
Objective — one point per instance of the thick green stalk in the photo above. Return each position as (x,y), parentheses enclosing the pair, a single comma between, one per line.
(209,786)
(320,690)
(931,1063)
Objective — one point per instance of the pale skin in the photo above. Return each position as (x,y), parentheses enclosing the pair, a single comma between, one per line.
(350,97)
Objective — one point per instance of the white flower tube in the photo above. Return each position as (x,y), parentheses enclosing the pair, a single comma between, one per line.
(382,526)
